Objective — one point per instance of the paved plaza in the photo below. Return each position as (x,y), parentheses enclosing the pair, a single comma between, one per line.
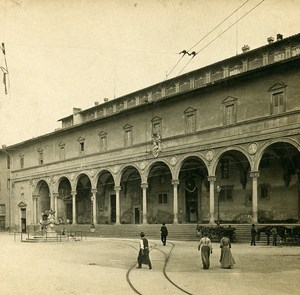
(107,266)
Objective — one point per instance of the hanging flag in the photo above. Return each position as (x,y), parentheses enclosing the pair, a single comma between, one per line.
(4,69)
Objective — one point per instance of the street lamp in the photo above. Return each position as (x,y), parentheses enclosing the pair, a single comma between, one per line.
(218,194)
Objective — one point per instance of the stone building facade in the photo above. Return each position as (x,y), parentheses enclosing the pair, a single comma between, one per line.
(219,143)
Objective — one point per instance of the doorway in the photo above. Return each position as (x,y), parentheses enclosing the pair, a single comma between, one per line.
(137,215)
(192,206)
(23,220)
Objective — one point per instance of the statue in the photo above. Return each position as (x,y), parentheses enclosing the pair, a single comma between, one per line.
(48,221)
(156,140)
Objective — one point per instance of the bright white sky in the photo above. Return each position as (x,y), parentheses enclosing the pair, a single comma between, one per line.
(70,53)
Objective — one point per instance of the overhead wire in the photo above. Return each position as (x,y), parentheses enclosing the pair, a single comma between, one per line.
(239,19)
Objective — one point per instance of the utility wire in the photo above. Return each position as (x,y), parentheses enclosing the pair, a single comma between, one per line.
(220,35)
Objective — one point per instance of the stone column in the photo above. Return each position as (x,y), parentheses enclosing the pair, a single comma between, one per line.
(51,200)
(175,183)
(212,180)
(144,187)
(94,203)
(55,195)
(34,209)
(254,175)
(73,193)
(117,190)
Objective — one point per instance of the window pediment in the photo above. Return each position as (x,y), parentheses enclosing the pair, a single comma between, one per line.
(190,110)
(277,86)
(127,127)
(229,99)
(80,139)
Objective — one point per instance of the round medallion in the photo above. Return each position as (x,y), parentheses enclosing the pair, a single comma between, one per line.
(252,148)
(209,155)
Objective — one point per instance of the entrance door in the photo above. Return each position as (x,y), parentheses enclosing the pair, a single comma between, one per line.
(137,214)
(192,206)
(23,220)
(113,208)
(69,213)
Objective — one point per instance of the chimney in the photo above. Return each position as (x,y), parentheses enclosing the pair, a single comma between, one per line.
(96,103)
(270,40)
(279,37)
(245,48)
(105,99)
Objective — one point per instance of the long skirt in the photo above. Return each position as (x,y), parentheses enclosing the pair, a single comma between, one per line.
(226,259)
(205,254)
(143,257)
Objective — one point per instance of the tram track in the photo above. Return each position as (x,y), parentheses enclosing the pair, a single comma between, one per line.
(135,285)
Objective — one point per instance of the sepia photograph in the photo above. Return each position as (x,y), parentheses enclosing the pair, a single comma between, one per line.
(149,147)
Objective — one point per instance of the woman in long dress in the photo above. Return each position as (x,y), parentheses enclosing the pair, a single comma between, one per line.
(206,249)
(226,259)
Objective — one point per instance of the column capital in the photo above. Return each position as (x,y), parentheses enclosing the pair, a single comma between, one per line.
(117,188)
(211,178)
(254,174)
(55,195)
(175,182)
(94,191)
(73,193)
(144,185)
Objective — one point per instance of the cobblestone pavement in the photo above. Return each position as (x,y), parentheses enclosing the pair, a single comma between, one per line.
(101,266)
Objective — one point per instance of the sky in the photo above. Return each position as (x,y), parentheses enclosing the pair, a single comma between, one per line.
(62,54)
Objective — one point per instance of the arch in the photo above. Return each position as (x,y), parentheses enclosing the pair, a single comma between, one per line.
(147,169)
(131,199)
(160,193)
(221,152)
(263,148)
(42,192)
(193,188)
(83,199)
(105,197)
(182,160)
(278,182)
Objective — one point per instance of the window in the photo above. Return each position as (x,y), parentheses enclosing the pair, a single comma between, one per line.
(278,98)
(2,209)
(277,101)
(41,156)
(127,135)
(81,142)
(225,169)
(190,120)
(229,110)
(226,193)
(264,191)
(62,151)
(103,141)
(156,125)
(162,198)
(21,161)
(8,162)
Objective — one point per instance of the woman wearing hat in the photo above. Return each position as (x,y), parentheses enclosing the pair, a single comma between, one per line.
(143,257)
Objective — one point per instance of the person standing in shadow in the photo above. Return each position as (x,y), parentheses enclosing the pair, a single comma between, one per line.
(253,235)
(164,234)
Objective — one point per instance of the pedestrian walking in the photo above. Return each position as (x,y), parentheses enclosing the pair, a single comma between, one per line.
(253,235)
(274,236)
(164,234)
(205,247)
(226,258)
(143,257)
